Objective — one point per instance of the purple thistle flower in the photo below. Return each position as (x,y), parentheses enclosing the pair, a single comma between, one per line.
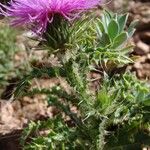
(38,13)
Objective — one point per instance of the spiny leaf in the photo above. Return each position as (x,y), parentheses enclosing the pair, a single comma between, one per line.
(146,101)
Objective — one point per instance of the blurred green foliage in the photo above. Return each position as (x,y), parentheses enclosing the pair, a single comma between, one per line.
(8,48)
(11,69)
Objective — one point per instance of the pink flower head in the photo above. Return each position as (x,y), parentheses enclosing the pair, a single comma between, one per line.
(38,13)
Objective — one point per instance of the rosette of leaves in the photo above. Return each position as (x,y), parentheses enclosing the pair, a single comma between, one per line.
(113,38)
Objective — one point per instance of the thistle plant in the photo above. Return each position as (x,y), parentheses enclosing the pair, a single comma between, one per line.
(112,116)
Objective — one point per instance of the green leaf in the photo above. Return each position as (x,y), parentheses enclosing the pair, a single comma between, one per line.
(140,96)
(126,49)
(103,98)
(120,39)
(131,32)
(131,28)
(134,24)
(146,102)
(99,28)
(113,29)
(105,20)
(108,13)
(122,22)
(100,25)
(105,40)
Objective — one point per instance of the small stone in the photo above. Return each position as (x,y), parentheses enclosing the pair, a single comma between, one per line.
(145,36)
(142,48)
(148,56)
(138,65)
